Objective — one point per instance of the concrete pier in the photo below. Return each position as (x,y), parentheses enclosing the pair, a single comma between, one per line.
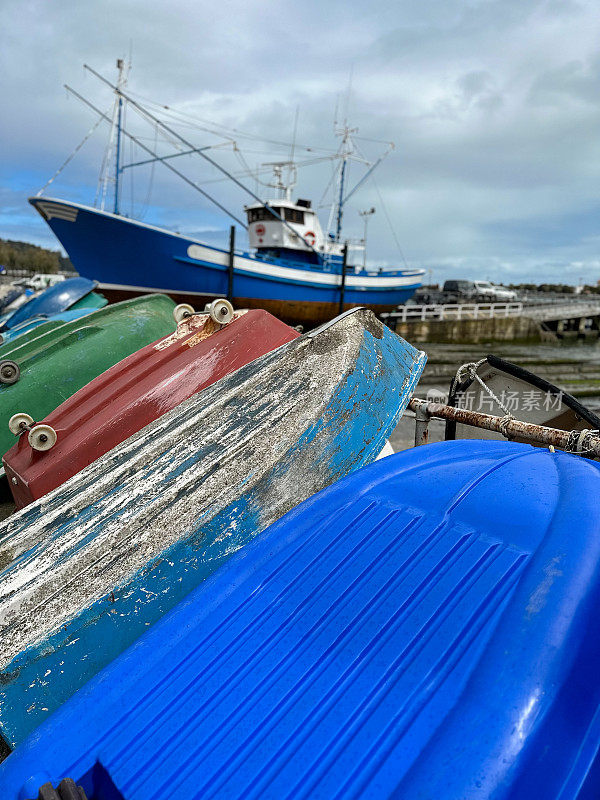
(500,322)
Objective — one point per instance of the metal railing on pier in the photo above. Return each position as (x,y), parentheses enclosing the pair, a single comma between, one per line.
(451,311)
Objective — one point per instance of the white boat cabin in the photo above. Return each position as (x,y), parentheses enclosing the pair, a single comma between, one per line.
(298,229)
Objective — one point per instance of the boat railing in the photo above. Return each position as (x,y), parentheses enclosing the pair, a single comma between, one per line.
(584,443)
(454,311)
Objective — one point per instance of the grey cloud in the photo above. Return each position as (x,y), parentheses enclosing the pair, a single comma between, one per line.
(492,105)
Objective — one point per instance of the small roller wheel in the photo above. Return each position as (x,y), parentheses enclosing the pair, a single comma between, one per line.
(221,311)
(19,422)
(42,437)
(182,311)
(9,372)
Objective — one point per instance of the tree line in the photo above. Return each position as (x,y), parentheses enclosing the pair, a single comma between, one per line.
(30,257)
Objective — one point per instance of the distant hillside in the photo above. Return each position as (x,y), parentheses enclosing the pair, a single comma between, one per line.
(22,255)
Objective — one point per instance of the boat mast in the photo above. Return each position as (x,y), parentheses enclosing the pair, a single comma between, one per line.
(114,143)
(120,80)
(185,141)
(341,199)
(345,152)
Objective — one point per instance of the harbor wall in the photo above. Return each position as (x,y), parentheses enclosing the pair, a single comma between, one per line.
(474,331)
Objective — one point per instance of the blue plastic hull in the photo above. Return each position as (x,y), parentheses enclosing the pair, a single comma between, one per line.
(64,316)
(425,629)
(90,566)
(126,256)
(52,300)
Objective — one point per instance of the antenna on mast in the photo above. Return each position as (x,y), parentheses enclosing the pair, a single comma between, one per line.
(365,215)
(292,172)
(284,189)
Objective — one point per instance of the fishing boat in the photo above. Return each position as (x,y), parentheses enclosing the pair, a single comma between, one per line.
(38,375)
(140,389)
(292,268)
(72,293)
(85,570)
(424,628)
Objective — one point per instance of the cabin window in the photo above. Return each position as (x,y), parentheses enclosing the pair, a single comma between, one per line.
(294,215)
(262,215)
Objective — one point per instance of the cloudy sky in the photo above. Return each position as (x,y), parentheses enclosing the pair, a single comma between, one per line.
(493,106)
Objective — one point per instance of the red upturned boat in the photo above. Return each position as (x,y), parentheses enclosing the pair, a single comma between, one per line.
(133,393)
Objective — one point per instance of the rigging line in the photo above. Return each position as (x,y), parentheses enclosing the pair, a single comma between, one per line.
(327,188)
(70,158)
(249,137)
(236,131)
(293,145)
(244,163)
(104,166)
(206,158)
(376,141)
(131,155)
(168,166)
(151,180)
(390,224)
(262,170)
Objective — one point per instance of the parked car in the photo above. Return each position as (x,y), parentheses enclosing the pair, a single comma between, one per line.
(504,295)
(489,293)
(457,291)
(40,281)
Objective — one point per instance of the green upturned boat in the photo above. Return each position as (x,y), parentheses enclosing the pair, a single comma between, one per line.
(29,336)
(39,374)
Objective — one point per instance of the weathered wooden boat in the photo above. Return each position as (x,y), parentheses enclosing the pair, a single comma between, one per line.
(425,628)
(496,386)
(86,569)
(43,323)
(71,293)
(38,375)
(139,390)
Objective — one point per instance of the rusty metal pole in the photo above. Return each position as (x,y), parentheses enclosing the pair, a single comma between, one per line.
(421,425)
(575,441)
(343,286)
(230,265)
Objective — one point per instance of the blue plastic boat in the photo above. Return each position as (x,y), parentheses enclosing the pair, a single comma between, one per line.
(30,324)
(425,628)
(57,298)
(85,569)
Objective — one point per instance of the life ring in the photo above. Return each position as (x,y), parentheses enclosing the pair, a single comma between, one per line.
(310,238)
(259,230)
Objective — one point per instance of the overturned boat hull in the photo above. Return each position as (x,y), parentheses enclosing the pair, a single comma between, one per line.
(36,326)
(137,391)
(425,628)
(54,365)
(90,566)
(70,293)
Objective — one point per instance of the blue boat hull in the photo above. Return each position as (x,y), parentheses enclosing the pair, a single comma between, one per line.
(52,300)
(425,629)
(65,316)
(86,569)
(128,257)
